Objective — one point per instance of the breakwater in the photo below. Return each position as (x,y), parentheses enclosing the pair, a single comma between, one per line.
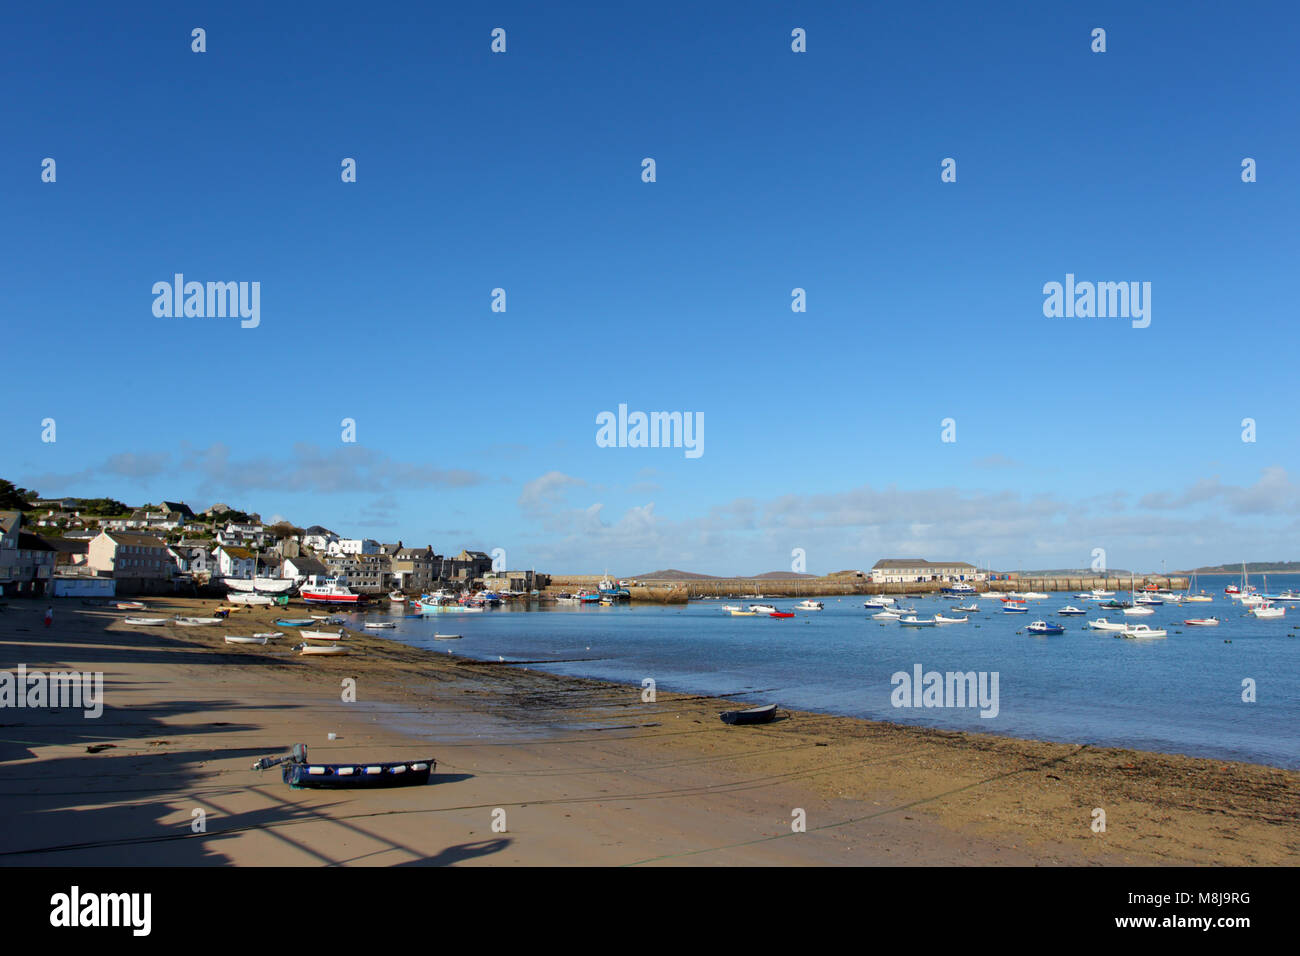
(675,592)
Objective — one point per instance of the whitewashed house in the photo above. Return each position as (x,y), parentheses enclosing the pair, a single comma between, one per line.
(234,562)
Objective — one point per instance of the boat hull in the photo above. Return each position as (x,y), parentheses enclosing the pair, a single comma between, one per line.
(755,715)
(335,776)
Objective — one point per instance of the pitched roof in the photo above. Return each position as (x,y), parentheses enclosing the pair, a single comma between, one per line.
(241,553)
(33,542)
(10,520)
(68,545)
(179,507)
(887,563)
(135,540)
(306,565)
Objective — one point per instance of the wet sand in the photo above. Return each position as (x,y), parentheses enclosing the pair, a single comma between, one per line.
(584,771)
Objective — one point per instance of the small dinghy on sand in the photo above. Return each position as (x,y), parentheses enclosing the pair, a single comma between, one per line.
(236,639)
(321,649)
(144,621)
(755,715)
(199,621)
(323,635)
(298,772)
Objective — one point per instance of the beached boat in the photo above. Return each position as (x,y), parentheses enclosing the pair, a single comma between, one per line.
(913,621)
(755,715)
(240,597)
(144,621)
(1070,609)
(321,590)
(294,621)
(269,635)
(272,586)
(322,649)
(324,635)
(1202,622)
(1104,625)
(940,619)
(1043,627)
(379,625)
(300,773)
(237,639)
(1142,632)
(199,621)
(809,606)
(130,605)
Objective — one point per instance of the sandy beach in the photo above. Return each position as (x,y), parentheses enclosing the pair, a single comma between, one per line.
(585,772)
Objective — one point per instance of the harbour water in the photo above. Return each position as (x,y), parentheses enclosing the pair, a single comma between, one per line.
(1182,694)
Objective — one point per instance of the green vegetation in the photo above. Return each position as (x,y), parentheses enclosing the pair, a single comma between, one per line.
(13,498)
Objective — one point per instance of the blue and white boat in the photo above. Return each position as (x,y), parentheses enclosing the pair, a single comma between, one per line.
(1012,607)
(1043,627)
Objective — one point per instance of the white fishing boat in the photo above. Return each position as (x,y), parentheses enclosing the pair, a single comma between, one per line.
(144,621)
(1104,625)
(967,608)
(914,621)
(1015,607)
(1268,611)
(237,639)
(1142,632)
(322,649)
(1099,593)
(1070,610)
(397,597)
(1043,627)
(732,607)
(269,635)
(323,635)
(446,637)
(379,625)
(1148,599)
(886,616)
(1202,622)
(809,606)
(1137,611)
(762,609)
(1036,596)
(325,590)
(199,621)
(264,585)
(940,619)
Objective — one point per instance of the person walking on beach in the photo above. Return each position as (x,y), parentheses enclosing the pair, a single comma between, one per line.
(49,616)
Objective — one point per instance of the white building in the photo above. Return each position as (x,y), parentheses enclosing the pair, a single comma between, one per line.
(235,562)
(918,570)
(354,546)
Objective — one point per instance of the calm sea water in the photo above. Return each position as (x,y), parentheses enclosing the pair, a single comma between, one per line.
(1178,695)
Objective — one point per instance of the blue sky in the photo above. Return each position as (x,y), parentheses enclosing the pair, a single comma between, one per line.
(775,170)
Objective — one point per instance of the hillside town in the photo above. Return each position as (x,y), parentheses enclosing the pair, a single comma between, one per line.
(76,547)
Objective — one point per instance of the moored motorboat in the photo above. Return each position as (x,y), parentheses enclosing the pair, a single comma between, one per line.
(379,625)
(1268,612)
(1070,609)
(1015,608)
(762,609)
(781,614)
(1142,632)
(886,616)
(809,605)
(1202,622)
(1044,627)
(1104,625)
(755,715)
(940,619)
(914,621)
(967,608)
(1137,611)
